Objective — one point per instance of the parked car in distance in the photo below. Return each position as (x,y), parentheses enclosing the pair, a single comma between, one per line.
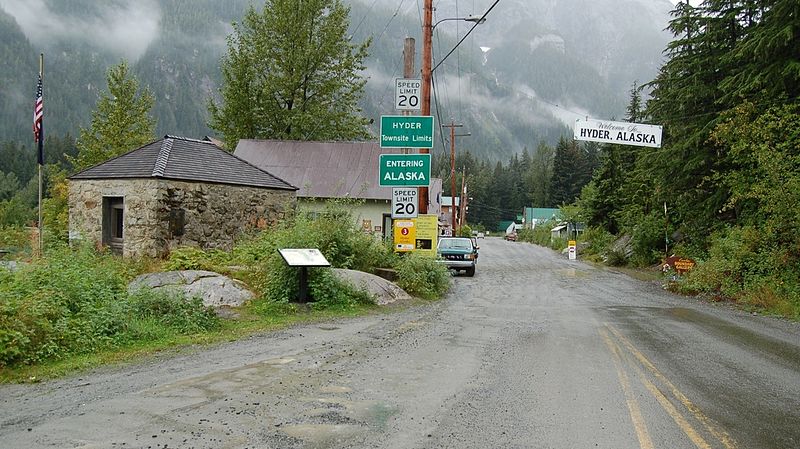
(458,253)
(480,235)
(511,237)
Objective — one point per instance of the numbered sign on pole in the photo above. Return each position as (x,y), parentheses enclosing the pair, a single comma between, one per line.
(404,202)
(407,94)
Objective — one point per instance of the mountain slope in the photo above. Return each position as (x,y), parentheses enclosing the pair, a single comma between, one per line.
(520,78)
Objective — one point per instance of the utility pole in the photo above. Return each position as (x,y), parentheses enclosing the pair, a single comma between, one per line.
(453,127)
(409,54)
(462,204)
(425,107)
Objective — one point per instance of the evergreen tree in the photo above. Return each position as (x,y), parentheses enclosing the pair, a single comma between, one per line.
(539,176)
(572,170)
(121,122)
(291,73)
(634,111)
(767,58)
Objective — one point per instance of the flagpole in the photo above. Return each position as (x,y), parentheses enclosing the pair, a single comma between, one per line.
(40,159)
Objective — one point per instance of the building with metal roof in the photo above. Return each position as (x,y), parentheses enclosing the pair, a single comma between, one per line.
(331,170)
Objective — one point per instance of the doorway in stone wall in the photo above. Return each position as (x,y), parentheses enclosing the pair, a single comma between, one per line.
(113,223)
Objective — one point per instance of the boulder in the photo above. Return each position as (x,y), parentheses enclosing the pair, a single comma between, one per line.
(214,289)
(10,265)
(383,291)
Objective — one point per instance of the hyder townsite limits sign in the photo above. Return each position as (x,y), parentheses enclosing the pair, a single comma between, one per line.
(406,131)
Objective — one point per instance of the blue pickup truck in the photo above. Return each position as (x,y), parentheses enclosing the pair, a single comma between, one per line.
(458,253)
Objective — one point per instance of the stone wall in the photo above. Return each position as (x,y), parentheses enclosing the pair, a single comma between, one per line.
(140,198)
(214,215)
(161,215)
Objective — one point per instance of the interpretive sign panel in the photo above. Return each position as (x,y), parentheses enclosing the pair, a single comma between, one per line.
(304,257)
(406,131)
(404,170)
(620,133)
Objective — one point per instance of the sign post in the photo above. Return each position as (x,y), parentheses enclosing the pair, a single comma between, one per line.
(304,258)
(573,249)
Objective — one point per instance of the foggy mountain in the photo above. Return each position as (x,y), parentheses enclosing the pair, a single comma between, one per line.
(520,78)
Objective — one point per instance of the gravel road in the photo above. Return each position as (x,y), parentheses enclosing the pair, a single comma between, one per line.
(535,351)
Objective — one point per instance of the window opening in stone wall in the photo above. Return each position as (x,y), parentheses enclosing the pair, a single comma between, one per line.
(177,222)
(113,223)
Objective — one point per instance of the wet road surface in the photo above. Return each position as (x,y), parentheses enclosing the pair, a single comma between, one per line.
(535,351)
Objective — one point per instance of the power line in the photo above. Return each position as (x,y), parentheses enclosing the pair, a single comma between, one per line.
(481,20)
(364,17)
(396,11)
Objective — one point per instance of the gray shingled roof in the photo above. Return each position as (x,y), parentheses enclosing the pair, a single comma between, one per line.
(184,159)
(321,169)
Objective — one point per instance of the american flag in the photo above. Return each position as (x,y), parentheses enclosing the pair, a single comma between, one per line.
(38,113)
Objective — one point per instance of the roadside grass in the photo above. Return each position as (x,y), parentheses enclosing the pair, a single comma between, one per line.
(71,311)
(248,322)
(739,268)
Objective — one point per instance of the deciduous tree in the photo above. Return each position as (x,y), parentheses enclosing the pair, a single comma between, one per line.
(121,122)
(291,72)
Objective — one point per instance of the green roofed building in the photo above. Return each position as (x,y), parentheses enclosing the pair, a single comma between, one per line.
(533,216)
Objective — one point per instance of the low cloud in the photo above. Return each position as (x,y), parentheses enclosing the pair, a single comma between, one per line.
(125,30)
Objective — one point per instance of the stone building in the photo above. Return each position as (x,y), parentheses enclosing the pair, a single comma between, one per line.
(174,192)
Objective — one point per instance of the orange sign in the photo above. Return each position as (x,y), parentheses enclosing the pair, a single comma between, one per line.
(679,264)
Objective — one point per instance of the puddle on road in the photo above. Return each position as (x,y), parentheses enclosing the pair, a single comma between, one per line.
(281,361)
(777,350)
(781,351)
(335,389)
(322,435)
(336,420)
(409,325)
(573,273)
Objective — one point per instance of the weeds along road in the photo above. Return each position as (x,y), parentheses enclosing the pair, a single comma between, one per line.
(535,351)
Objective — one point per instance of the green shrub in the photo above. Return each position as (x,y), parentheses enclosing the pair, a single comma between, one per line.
(738,258)
(172,310)
(60,304)
(15,240)
(75,302)
(599,241)
(422,276)
(329,292)
(647,240)
(192,258)
(334,233)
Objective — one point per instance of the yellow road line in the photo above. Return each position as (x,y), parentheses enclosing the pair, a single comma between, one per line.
(633,406)
(720,435)
(673,412)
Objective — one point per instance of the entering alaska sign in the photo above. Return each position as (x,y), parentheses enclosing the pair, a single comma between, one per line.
(620,133)
(410,170)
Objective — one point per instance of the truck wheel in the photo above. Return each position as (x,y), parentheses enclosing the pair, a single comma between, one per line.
(470,271)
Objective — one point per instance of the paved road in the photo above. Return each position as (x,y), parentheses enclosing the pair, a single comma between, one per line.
(535,351)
